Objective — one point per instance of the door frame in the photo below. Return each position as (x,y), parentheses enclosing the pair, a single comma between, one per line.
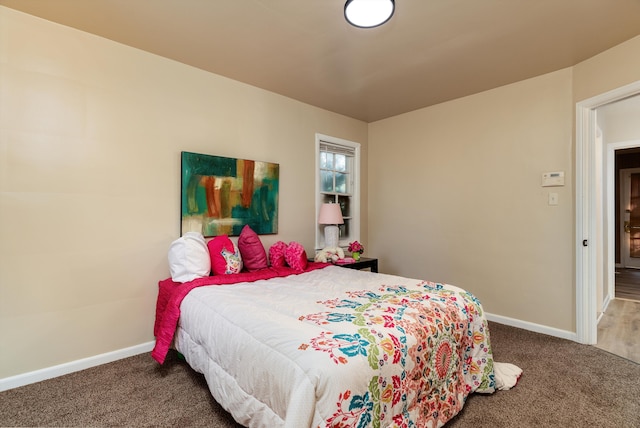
(588,204)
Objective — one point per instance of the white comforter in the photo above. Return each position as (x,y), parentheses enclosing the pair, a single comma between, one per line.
(337,347)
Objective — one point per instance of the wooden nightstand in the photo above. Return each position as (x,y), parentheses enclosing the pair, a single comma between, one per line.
(363,263)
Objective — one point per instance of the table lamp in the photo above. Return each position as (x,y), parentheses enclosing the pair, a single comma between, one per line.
(331,216)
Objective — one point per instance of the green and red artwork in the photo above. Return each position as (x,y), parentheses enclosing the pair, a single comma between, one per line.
(221,195)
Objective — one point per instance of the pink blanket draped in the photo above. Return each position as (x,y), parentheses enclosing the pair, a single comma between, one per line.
(170,295)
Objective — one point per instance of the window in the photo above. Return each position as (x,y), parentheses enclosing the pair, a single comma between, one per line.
(338,181)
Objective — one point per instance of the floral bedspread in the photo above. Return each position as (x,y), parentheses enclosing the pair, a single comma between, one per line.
(338,348)
(447,357)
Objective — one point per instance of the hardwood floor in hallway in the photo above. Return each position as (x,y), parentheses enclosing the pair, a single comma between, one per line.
(628,283)
(619,327)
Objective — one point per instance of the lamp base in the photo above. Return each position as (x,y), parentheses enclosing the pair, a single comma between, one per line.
(331,236)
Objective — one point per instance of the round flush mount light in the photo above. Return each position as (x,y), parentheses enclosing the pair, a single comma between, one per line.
(368,13)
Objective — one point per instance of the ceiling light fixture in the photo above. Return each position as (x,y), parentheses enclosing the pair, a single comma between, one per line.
(368,13)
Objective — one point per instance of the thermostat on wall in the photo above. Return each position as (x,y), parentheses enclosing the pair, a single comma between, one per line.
(553,179)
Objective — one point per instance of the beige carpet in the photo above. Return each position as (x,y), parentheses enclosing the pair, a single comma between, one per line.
(564,384)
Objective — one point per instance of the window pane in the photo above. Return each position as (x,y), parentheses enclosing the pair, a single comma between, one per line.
(326,160)
(341,183)
(345,230)
(328,199)
(323,160)
(341,163)
(326,180)
(345,205)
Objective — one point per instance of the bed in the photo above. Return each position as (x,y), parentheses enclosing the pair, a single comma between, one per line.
(329,346)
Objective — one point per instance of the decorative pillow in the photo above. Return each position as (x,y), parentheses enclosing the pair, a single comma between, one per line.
(296,256)
(225,258)
(189,258)
(254,257)
(276,254)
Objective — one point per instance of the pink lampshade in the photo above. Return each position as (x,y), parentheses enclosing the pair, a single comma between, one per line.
(330,214)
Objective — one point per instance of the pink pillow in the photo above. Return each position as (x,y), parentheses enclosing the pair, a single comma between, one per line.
(254,257)
(296,256)
(276,254)
(225,258)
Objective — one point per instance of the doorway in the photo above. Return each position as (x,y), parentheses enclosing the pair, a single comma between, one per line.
(627,256)
(595,212)
(629,208)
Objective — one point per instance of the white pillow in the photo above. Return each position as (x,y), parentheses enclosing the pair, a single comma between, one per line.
(189,258)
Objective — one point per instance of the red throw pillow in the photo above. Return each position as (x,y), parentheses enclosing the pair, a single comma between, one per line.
(225,258)
(276,254)
(254,257)
(296,256)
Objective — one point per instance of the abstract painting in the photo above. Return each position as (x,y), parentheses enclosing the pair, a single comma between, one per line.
(221,195)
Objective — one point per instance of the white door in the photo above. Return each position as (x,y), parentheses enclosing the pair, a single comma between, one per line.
(630,217)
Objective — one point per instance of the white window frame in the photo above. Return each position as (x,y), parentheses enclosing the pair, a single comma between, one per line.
(354,185)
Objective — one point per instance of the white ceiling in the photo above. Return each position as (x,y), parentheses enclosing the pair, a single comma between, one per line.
(429,52)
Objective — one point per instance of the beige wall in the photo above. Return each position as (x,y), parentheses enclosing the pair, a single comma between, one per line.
(620,121)
(456,192)
(456,197)
(90,139)
(612,69)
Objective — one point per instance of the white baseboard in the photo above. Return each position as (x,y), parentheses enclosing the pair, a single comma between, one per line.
(73,366)
(605,304)
(537,328)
